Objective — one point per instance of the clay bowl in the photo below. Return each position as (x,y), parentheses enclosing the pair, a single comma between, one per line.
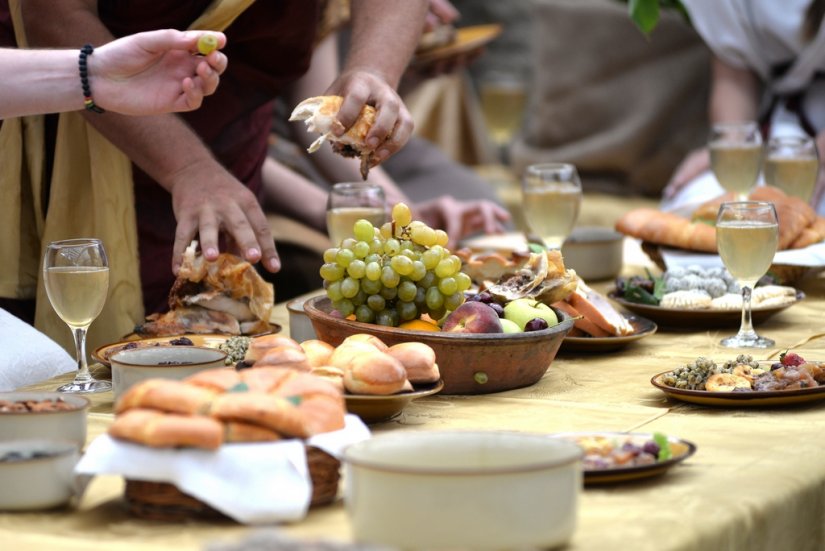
(470,363)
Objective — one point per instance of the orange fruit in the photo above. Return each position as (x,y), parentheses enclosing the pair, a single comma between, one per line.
(419,325)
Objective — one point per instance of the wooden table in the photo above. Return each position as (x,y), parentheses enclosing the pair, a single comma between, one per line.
(757,481)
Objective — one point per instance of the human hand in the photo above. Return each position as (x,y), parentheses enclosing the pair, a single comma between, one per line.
(393,123)
(155,72)
(696,162)
(462,218)
(206,202)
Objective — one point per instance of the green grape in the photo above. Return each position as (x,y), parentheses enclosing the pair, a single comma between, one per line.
(406,310)
(360,298)
(207,43)
(376,302)
(454,301)
(445,268)
(437,314)
(329,254)
(387,317)
(331,272)
(376,246)
(409,253)
(334,291)
(392,247)
(406,291)
(441,238)
(345,307)
(357,269)
(371,287)
(420,297)
(447,286)
(434,298)
(401,214)
(344,257)
(363,230)
(389,293)
(373,271)
(428,280)
(418,271)
(364,314)
(361,249)
(389,277)
(401,264)
(423,235)
(386,230)
(373,258)
(350,287)
(456,263)
(463,280)
(430,258)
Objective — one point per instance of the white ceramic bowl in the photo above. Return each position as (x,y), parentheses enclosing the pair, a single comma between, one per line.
(463,490)
(300,326)
(168,362)
(595,253)
(36,482)
(49,425)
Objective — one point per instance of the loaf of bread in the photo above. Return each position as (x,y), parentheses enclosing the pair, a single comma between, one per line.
(317,351)
(167,430)
(418,360)
(259,346)
(374,373)
(166,395)
(366,338)
(665,228)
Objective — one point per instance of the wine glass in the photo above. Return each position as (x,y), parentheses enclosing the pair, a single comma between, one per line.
(551,197)
(736,155)
(76,274)
(792,165)
(747,233)
(348,202)
(503,96)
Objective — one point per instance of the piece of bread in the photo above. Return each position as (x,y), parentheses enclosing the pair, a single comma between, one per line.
(259,346)
(217,380)
(265,410)
(284,356)
(418,360)
(332,375)
(317,351)
(810,235)
(235,431)
(166,395)
(165,430)
(319,114)
(345,352)
(367,338)
(374,373)
(266,379)
(665,228)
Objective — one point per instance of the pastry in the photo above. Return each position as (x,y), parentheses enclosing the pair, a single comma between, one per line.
(165,430)
(166,395)
(374,373)
(317,351)
(285,356)
(418,360)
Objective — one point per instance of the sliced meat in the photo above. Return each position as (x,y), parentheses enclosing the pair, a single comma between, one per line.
(597,309)
(581,322)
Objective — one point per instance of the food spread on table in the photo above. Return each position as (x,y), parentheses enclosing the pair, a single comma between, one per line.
(26,406)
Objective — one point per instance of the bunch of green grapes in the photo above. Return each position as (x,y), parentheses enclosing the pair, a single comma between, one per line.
(395,273)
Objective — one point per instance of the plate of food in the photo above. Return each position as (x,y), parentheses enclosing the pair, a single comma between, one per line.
(614,457)
(378,408)
(458,41)
(235,345)
(745,382)
(642,327)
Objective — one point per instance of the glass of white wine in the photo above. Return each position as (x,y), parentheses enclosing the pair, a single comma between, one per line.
(348,202)
(76,274)
(792,165)
(736,155)
(747,233)
(503,96)
(551,198)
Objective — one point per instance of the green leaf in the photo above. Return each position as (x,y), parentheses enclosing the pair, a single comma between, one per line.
(634,293)
(536,248)
(645,13)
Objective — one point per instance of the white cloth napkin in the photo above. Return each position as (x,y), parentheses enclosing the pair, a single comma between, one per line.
(812,256)
(29,356)
(258,483)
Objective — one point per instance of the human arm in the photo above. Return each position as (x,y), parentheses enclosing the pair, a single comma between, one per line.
(206,198)
(142,74)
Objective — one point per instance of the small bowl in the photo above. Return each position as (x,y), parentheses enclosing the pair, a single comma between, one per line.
(595,253)
(37,482)
(300,326)
(470,363)
(168,362)
(463,490)
(67,425)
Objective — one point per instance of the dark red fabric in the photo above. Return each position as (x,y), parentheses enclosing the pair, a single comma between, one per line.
(268,46)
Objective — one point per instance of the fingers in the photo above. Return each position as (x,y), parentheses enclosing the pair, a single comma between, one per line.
(355,96)
(170,39)
(397,137)
(443,10)
(184,233)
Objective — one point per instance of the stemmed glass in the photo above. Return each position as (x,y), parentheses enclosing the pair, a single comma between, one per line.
(747,233)
(551,197)
(503,97)
(736,155)
(348,202)
(792,165)
(76,273)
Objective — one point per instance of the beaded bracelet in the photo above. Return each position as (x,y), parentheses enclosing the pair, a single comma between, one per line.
(88,100)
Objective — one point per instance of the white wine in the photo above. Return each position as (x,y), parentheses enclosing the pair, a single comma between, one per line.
(340,221)
(747,248)
(736,166)
(795,176)
(551,210)
(77,293)
(502,105)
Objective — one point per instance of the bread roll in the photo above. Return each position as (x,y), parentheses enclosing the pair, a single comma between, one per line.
(165,430)
(265,410)
(665,228)
(317,351)
(346,351)
(259,346)
(332,375)
(218,380)
(284,356)
(810,235)
(367,338)
(245,432)
(166,395)
(322,414)
(418,360)
(374,373)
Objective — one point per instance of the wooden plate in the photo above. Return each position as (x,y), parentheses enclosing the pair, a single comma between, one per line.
(681,450)
(466,40)
(642,327)
(374,409)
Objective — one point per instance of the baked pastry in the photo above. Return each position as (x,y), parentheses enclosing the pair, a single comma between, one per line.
(166,395)
(317,351)
(265,410)
(259,346)
(332,375)
(285,356)
(374,373)
(346,351)
(418,360)
(367,338)
(166,430)
(666,228)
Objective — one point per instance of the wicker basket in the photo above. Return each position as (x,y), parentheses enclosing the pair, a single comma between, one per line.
(163,501)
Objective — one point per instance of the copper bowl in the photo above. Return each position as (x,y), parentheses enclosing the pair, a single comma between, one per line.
(470,363)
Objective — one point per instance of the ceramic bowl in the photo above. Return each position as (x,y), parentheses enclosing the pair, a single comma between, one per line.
(67,424)
(300,326)
(470,363)
(169,362)
(595,253)
(463,490)
(36,474)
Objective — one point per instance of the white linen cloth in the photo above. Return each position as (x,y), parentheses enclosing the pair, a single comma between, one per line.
(29,356)
(256,483)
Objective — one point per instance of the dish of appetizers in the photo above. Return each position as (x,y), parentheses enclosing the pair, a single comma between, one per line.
(613,457)
(231,344)
(745,382)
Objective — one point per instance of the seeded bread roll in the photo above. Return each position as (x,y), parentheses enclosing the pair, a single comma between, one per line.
(374,373)
(166,430)
(166,395)
(418,360)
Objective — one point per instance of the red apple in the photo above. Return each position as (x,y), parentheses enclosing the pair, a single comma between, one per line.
(473,317)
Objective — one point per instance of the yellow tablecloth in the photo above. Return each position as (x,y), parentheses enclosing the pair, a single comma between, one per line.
(757,481)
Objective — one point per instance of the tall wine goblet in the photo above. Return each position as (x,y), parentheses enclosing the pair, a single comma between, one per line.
(747,233)
(348,202)
(76,273)
(503,96)
(551,197)
(792,165)
(736,156)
